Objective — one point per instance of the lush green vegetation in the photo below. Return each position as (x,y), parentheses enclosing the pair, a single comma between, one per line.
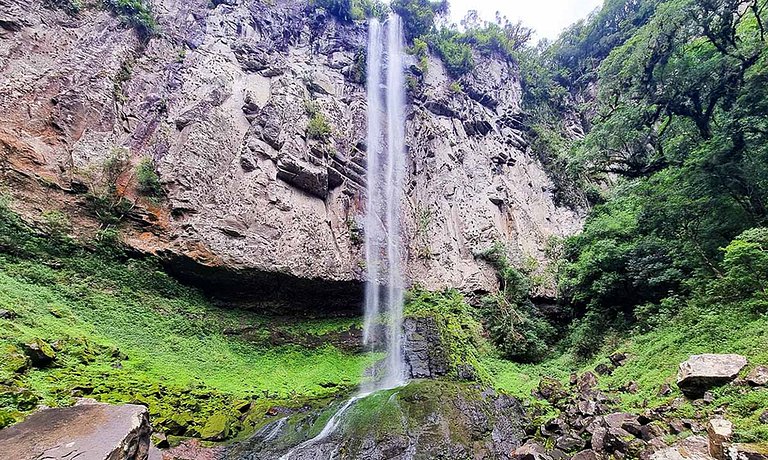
(670,149)
(353,10)
(654,357)
(137,13)
(515,326)
(123,331)
(461,333)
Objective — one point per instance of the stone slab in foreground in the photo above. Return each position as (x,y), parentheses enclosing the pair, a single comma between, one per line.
(701,372)
(84,432)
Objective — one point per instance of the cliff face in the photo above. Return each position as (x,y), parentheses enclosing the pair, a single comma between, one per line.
(221,100)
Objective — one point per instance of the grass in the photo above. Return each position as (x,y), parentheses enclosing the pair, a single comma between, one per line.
(126,332)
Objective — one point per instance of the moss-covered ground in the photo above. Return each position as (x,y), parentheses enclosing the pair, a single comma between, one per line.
(124,331)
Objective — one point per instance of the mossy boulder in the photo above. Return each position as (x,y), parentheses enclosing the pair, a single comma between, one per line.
(217,428)
(14,360)
(178,424)
(40,352)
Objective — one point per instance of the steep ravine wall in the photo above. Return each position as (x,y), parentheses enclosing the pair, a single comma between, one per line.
(221,100)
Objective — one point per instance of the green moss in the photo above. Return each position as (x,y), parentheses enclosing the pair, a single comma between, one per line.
(126,332)
(217,427)
(460,332)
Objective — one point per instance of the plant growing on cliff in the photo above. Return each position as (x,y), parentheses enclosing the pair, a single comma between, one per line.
(318,127)
(123,75)
(148,180)
(137,13)
(353,10)
(71,7)
(105,198)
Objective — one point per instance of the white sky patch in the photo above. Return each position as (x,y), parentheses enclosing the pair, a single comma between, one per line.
(547,17)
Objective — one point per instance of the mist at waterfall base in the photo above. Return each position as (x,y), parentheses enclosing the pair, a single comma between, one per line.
(383,241)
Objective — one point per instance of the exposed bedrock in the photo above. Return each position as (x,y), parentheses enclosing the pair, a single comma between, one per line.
(254,113)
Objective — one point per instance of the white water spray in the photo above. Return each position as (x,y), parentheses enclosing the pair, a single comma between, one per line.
(385,170)
(383,242)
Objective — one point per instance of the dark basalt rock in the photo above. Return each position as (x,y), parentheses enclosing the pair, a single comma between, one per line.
(304,176)
(39,352)
(425,419)
(425,356)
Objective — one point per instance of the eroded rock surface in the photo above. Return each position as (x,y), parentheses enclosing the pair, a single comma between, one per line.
(83,432)
(222,101)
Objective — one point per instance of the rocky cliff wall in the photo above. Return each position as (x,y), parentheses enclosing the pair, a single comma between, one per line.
(259,207)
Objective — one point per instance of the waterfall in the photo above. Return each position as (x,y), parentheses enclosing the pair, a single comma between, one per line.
(385,170)
(383,242)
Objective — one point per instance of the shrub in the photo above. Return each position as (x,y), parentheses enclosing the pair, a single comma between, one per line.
(56,224)
(149,181)
(318,127)
(353,10)
(104,198)
(456,55)
(745,272)
(137,13)
(514,323)
(71,7)
(419,15)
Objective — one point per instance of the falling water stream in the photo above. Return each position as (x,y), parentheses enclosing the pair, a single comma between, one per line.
(383,241)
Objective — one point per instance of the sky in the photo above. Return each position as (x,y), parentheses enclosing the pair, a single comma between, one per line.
(547,17)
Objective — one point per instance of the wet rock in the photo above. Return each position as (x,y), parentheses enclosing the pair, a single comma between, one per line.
(719,433)
(758,377)
(40,352)
(423,350)
(702,372)
(90,431)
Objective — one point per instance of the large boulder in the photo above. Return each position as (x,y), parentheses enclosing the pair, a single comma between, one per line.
(84,432)
(39,352)
(690,448)
(758,377)
(702,372)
